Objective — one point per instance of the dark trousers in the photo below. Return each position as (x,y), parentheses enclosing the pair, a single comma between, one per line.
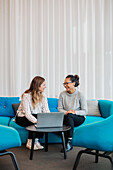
(24,122)
(72,120)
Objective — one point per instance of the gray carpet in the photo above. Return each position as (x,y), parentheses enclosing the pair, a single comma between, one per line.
(52,160)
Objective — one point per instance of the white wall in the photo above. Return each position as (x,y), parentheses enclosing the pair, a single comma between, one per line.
(54,38)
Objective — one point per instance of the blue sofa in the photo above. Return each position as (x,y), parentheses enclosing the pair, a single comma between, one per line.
(7,117)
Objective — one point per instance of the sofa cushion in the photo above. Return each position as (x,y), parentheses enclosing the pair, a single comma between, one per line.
(93,108)
(92,119)
(21,130)
(4,120)
(15,107)
(6,106)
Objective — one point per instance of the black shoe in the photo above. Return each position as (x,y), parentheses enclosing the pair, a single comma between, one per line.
(69,146)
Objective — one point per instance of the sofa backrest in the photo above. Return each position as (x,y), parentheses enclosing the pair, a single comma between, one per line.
(106,108)
(6,106)
(53,104)
(6,109)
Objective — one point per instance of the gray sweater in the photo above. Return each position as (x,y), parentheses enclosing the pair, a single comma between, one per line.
(75,101)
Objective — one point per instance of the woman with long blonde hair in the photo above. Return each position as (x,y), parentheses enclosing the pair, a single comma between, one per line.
(33,101)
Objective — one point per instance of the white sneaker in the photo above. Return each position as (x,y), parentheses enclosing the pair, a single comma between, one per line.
(29,144)
(39,146)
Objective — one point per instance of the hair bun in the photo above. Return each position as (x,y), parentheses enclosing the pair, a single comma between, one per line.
(77,78)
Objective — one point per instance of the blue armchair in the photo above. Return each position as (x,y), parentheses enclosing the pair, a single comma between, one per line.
(9,139)
(97,136)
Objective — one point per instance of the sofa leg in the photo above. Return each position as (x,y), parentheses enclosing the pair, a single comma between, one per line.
(96,157)
(12,157)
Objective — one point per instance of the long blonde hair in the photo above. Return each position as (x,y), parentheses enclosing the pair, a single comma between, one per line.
(34,89)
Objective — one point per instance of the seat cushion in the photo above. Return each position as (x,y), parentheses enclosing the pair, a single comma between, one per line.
(92,119)
(4,120)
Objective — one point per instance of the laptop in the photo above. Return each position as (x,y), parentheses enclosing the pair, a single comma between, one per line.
(50,120)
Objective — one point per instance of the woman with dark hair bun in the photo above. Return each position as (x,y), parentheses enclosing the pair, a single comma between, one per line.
(33,101)
(73,103)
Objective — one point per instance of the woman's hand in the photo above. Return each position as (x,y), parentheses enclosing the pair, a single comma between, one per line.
(70,111)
